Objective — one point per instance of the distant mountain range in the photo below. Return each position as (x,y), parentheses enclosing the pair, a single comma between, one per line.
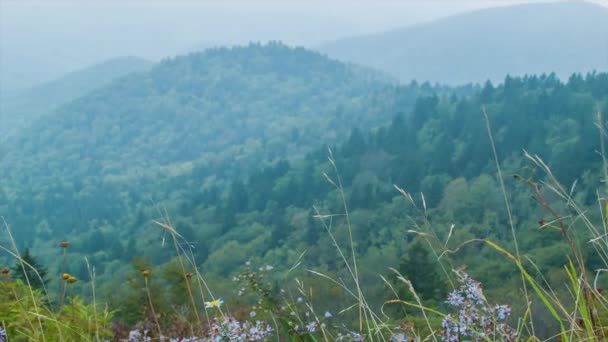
(18,110)
(561,37)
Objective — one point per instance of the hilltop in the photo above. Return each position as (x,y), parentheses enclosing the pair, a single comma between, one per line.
(203,118)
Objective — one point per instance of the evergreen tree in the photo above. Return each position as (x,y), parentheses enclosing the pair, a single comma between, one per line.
(423,271)
(35,272)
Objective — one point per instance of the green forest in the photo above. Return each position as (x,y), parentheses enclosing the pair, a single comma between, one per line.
(278,171)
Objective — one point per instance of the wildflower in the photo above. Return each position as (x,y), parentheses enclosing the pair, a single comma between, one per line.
(502,311)
(229,329)
(216,303)
(357,337)
(146,273)
(64,244)
(300,299)
(72,279)
(269,268)
(134,336)
(399,338)
(475,316)
(3,336)
(65,276)
(455,298)
(5,271)
(312,326)
(252,314)
(328,314)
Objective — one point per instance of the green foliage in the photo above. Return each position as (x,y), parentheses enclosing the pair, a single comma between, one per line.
(422,269)
(29,271)
(27,317)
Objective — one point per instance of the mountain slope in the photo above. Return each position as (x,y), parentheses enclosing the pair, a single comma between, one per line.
(19,110)
(202,118)
(564,38)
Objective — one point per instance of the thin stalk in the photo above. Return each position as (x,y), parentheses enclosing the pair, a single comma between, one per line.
(92,275)
(508,208)
(160,334)
(63,262)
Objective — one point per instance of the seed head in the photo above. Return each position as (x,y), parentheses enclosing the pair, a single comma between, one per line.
(146,273)
(64,244)
(5,271)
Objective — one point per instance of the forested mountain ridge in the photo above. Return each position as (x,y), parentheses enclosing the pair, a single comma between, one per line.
(561,37)
(20,110)
(180,103)
(201,119)
(439,147)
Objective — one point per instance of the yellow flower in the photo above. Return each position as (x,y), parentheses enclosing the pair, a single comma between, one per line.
(65,276)
(216,303)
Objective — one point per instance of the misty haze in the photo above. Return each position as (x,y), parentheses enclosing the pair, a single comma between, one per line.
(303,171)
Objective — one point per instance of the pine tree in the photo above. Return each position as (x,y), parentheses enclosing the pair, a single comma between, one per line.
(423,271)
(36,273)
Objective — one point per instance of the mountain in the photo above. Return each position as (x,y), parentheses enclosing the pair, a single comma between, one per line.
(20,109)
(561,37)
(204,118)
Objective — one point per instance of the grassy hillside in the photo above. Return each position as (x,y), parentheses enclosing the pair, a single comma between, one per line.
(19,110)
(562,37)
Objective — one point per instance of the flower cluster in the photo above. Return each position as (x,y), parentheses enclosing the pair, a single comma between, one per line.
(351,337)
(2,334)
(476,319)
(229,329)
(139,336)
(221,329)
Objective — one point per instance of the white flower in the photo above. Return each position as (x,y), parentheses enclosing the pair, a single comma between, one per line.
(269,268)
(328,314)
(252,314)
(216,303)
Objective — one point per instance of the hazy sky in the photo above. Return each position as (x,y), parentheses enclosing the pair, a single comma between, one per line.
(40,40)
